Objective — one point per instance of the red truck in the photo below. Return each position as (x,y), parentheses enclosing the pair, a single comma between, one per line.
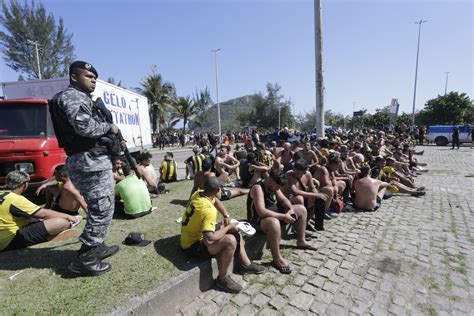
(27,141)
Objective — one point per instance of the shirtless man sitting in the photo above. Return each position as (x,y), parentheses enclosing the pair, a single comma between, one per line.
(225,193)
(325,176)
(300,189)
(285,156)
(147,171)
(267,208)
(61,195)
(310,156)
(226,163)
(368,192)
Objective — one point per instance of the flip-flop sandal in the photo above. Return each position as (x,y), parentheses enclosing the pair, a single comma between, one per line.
(282,269)
(309,247)
(308,236)
(78,220)
(246,228)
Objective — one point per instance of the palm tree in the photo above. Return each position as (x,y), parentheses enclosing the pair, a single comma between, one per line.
(160,95)
(185,109)
(112,81)
(202,100)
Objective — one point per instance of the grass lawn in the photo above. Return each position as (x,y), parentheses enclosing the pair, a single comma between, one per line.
(36,280)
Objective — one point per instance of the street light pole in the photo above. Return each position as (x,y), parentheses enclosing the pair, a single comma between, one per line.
(37,56)
(217,93)
(446,84)
(318,45)
(416,70)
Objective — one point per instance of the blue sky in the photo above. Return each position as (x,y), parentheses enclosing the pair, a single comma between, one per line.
(369,47)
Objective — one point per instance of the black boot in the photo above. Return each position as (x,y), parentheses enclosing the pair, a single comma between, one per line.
(100,252)
(88,266)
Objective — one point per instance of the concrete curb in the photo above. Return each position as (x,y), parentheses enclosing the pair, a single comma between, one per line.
(168,297)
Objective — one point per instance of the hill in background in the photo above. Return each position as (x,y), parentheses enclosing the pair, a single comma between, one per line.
(230,110)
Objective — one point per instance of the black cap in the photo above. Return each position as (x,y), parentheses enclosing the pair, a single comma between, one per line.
(278,176)
(136,239)
(83,65)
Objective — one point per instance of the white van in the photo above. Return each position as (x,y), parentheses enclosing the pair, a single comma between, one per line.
(441,134)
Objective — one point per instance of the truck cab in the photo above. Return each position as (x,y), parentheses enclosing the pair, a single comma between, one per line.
(27,141)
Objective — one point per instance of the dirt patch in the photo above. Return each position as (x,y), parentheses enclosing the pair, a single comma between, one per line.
(389,265)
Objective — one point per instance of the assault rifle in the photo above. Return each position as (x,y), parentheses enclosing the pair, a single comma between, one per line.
(107,115)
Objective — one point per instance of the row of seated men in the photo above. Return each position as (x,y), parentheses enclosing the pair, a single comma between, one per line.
(295,184)
(316,178)
(23,223)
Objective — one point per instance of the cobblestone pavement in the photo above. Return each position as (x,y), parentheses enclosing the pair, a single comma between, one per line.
(414,256)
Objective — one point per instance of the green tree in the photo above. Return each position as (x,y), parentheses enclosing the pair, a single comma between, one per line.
(452,108)
(112,81)
(404,118)
(469,115)
(160,95)
(27,23)
(333,119)
(269,110)
(202,101)
(378,120)
(307,121)
(185,109)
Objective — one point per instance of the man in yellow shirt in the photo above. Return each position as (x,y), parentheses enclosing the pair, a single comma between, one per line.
(23,224)
(169,169)
(199,237)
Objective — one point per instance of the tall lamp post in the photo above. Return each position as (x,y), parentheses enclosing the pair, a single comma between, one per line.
(318,45)
(416,71)
(37,56)
(217,92)
(446,84)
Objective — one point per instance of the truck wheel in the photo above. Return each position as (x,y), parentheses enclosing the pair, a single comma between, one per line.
(441,141)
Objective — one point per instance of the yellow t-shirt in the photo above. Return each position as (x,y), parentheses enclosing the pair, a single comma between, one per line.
(15,210)
(200,216)
(388,170)
(169,171)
